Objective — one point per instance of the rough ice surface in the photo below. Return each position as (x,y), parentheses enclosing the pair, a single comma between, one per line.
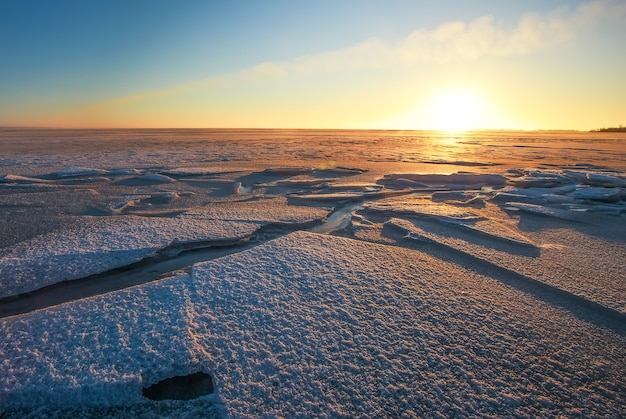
(425,291)
(100,352)
(78,171)
(464,179)
(494,229)
(99,244)
(310,325)
(542,210)
(423,208)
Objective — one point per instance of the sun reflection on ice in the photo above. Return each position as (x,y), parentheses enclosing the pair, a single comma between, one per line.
(448,146)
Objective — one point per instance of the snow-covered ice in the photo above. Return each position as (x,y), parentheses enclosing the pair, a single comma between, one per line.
(99,244)
(313,325)
(367,274)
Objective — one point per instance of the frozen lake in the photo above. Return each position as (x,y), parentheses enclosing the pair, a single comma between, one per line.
(313,273)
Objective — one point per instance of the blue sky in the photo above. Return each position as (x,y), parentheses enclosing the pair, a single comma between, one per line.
(135,62)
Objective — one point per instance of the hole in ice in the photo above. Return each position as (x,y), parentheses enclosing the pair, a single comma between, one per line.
(185,387)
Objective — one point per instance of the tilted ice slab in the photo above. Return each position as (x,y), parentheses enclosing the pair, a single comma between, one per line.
(460,198)
(421,207)
(561,193)
(318,326)
(137,204)
(146,180)
(596,179)
(487,228)
(13,179)
(78,171)
(193,171)
(326,327)
(543,211)
(100,351)
(544,178)
(99,244)
(599,194)
(265,211)
(461,179)
(561,257)
(579,185)
(324,196)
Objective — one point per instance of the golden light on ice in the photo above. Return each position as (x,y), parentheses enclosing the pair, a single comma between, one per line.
(459,109)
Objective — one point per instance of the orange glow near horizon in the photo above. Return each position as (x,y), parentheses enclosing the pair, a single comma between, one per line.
(455,108)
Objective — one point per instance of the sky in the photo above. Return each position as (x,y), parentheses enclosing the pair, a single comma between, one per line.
(393,64)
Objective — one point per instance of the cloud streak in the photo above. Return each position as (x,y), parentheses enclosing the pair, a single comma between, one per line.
(449,43)
(459,41)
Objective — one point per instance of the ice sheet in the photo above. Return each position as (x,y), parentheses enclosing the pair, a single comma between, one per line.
(457,293)
(99,244)
(314,325)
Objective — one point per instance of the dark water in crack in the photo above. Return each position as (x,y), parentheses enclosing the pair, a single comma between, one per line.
(165,264)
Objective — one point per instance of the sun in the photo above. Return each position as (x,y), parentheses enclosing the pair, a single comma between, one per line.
(458,109)
(453,108)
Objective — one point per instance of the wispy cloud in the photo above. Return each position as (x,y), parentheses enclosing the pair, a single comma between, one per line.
(460,41)
(450,42)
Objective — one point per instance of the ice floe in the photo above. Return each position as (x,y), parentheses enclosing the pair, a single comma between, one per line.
(471,199)
(599,194)
(461,179)
(21,179)
(101,351)
(312,325)
(290,171)
(124,172)
(103,243)
(468,294)
(543,210)
(78,172)
(192,171)
(562,193)
(420,207)
(147,179)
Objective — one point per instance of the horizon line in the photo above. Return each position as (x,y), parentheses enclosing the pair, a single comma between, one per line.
(25,127)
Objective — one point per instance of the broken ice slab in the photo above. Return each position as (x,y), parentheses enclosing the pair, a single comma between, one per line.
(21,179)
(289,171)
(465,179)
(423,208)
(600,194)
(344,196)
(543,211)
(145,180)
(78,171)
(596,179)
(600,179)
(544,181)
(471,199)
(498,231)
(557,199)
(410,230)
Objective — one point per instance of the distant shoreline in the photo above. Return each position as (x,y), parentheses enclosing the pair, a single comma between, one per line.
(35,128)
(612,129)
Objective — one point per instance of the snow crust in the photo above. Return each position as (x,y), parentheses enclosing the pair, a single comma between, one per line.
(99,244)
(489,224)
(314,325)
(493,293)
(98,352)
